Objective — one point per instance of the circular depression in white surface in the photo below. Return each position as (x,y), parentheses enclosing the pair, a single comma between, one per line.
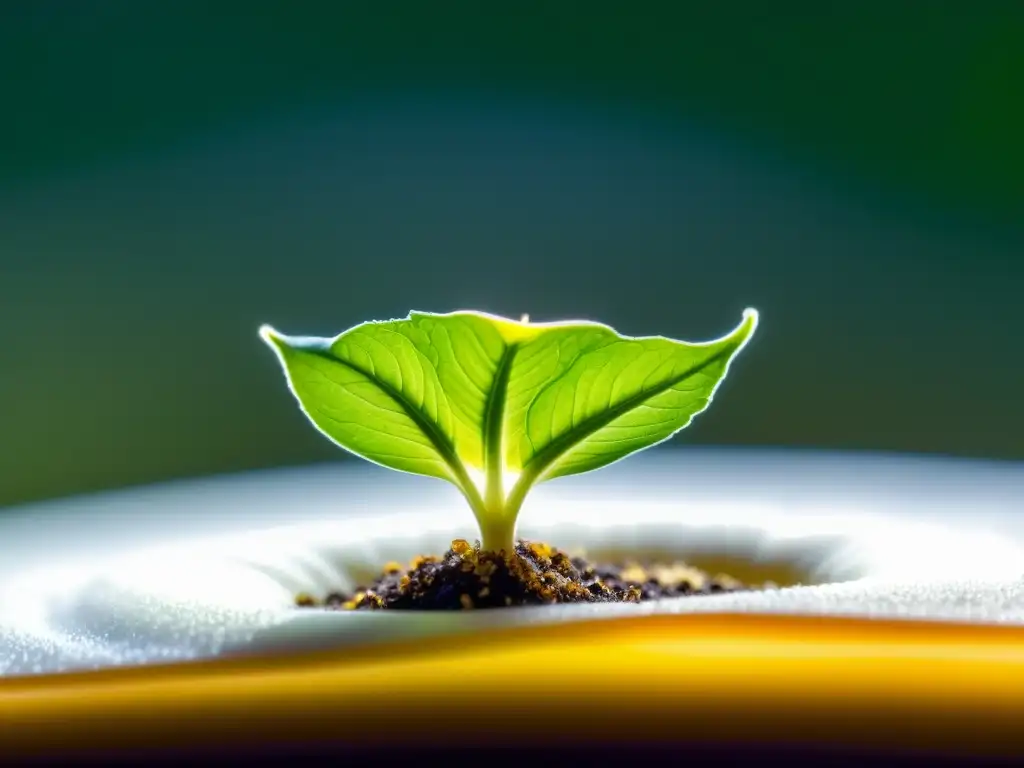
(202,568)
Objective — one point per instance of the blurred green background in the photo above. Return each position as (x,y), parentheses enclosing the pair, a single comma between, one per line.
(174,174)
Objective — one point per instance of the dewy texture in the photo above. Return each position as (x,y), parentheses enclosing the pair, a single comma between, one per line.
(496,406)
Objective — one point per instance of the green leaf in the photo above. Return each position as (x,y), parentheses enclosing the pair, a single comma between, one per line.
(496,406)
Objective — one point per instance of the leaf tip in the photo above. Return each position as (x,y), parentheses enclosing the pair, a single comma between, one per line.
(746,328)
(269,335)
(277,341)
(751,317)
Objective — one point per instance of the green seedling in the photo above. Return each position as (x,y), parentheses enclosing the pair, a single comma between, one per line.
(496,406)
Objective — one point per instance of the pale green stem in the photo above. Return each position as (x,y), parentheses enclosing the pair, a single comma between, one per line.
(497,519)
(496,525)
(498,533)
(494,492)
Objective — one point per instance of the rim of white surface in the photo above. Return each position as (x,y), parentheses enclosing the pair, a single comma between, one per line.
(199,568)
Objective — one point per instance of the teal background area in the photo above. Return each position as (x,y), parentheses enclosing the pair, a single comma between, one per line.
(174,174)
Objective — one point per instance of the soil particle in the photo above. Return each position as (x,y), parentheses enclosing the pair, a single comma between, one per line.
(467,578)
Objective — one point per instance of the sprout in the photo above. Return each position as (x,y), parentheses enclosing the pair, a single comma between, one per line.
(496,406)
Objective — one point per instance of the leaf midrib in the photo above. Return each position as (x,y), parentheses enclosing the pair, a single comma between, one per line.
(554,450)
(433,433)
(494,426)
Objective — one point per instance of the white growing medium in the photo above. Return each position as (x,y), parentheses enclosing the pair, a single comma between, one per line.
(193,570)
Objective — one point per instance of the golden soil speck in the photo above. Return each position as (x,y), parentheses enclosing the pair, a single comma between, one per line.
(421,560)
(561,563)
(541,551)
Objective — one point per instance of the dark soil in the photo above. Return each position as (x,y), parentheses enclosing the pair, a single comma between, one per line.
(466,577)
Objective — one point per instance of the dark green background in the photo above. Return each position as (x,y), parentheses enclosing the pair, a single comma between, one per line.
(173,174)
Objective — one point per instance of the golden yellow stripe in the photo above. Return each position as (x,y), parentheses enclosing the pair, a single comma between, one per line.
(958,688)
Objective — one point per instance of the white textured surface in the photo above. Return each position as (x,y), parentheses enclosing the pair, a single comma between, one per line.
(192,570)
